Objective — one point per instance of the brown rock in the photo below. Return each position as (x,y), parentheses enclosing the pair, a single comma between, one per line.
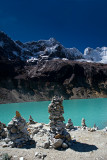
(18,114)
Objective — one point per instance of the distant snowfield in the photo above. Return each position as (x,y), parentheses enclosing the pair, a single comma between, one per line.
(98,55)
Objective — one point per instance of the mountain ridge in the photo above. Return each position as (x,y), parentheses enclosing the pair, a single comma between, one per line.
(31,52)
(54,71)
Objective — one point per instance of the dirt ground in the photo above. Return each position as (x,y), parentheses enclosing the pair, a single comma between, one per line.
(88,146)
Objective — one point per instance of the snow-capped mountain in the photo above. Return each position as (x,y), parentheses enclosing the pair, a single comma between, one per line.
(34,51)
(98,55)
(31,52)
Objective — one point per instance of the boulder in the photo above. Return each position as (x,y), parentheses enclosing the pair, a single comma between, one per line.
(57,143)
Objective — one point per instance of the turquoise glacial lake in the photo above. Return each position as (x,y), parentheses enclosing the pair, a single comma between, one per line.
(93,110)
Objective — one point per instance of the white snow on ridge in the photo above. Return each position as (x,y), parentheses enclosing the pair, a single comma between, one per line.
(51,49)
(32,59)
(75,52)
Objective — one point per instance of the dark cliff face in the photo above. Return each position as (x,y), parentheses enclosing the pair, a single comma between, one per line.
(71,79)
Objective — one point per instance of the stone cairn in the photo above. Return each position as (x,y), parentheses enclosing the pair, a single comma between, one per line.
(59,137)
(2,131)
(83,123)
(17,131)
(31,121)
(69,125)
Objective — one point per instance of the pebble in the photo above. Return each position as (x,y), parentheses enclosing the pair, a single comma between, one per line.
(46,145)
(36,153)
(21,158)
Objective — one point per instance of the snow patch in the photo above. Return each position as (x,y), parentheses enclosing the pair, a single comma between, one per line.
(32,59)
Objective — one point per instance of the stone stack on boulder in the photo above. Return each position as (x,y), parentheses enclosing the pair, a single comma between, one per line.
(31,121)
(59,137)
(17,131)
(83,123)
(69,125)
(2,131)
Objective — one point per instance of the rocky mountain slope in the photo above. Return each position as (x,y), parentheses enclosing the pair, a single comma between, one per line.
(36,71)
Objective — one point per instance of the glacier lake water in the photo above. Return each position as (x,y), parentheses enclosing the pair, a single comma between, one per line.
(93,110)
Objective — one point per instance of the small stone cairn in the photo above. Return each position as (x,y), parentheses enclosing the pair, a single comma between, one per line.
(17,131)
(31,121)
(2,131)
(69,125)
(83,123)
(59,137)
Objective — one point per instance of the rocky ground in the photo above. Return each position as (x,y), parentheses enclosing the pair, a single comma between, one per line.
(87,145)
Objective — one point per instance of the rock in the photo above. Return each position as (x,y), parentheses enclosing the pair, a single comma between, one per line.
(17,132)
(57,143)
(105,129)
(21,158)
(31,121)
(95,127)
(58,133)
(59,136)
(69,125)
(44,155)
(64,145)
(13,130)
(2,131)
(35,131)
(46,145)
(83,123)
(68,137)
(36,153)
(4,145)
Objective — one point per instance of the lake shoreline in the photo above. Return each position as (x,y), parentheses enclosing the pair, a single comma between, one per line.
(4,101)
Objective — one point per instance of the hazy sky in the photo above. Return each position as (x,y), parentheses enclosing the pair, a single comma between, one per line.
(75,23)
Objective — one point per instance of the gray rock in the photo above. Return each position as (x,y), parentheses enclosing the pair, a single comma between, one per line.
(46,145)
(57,143)
(36,153)
(64,145)
(35,131)
(44,155)
(21,158)
(2,131)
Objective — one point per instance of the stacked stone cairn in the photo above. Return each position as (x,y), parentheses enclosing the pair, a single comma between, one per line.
(17,131)
(69,125)
(2,131)
(59,137)
(31,121)
(83,123)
